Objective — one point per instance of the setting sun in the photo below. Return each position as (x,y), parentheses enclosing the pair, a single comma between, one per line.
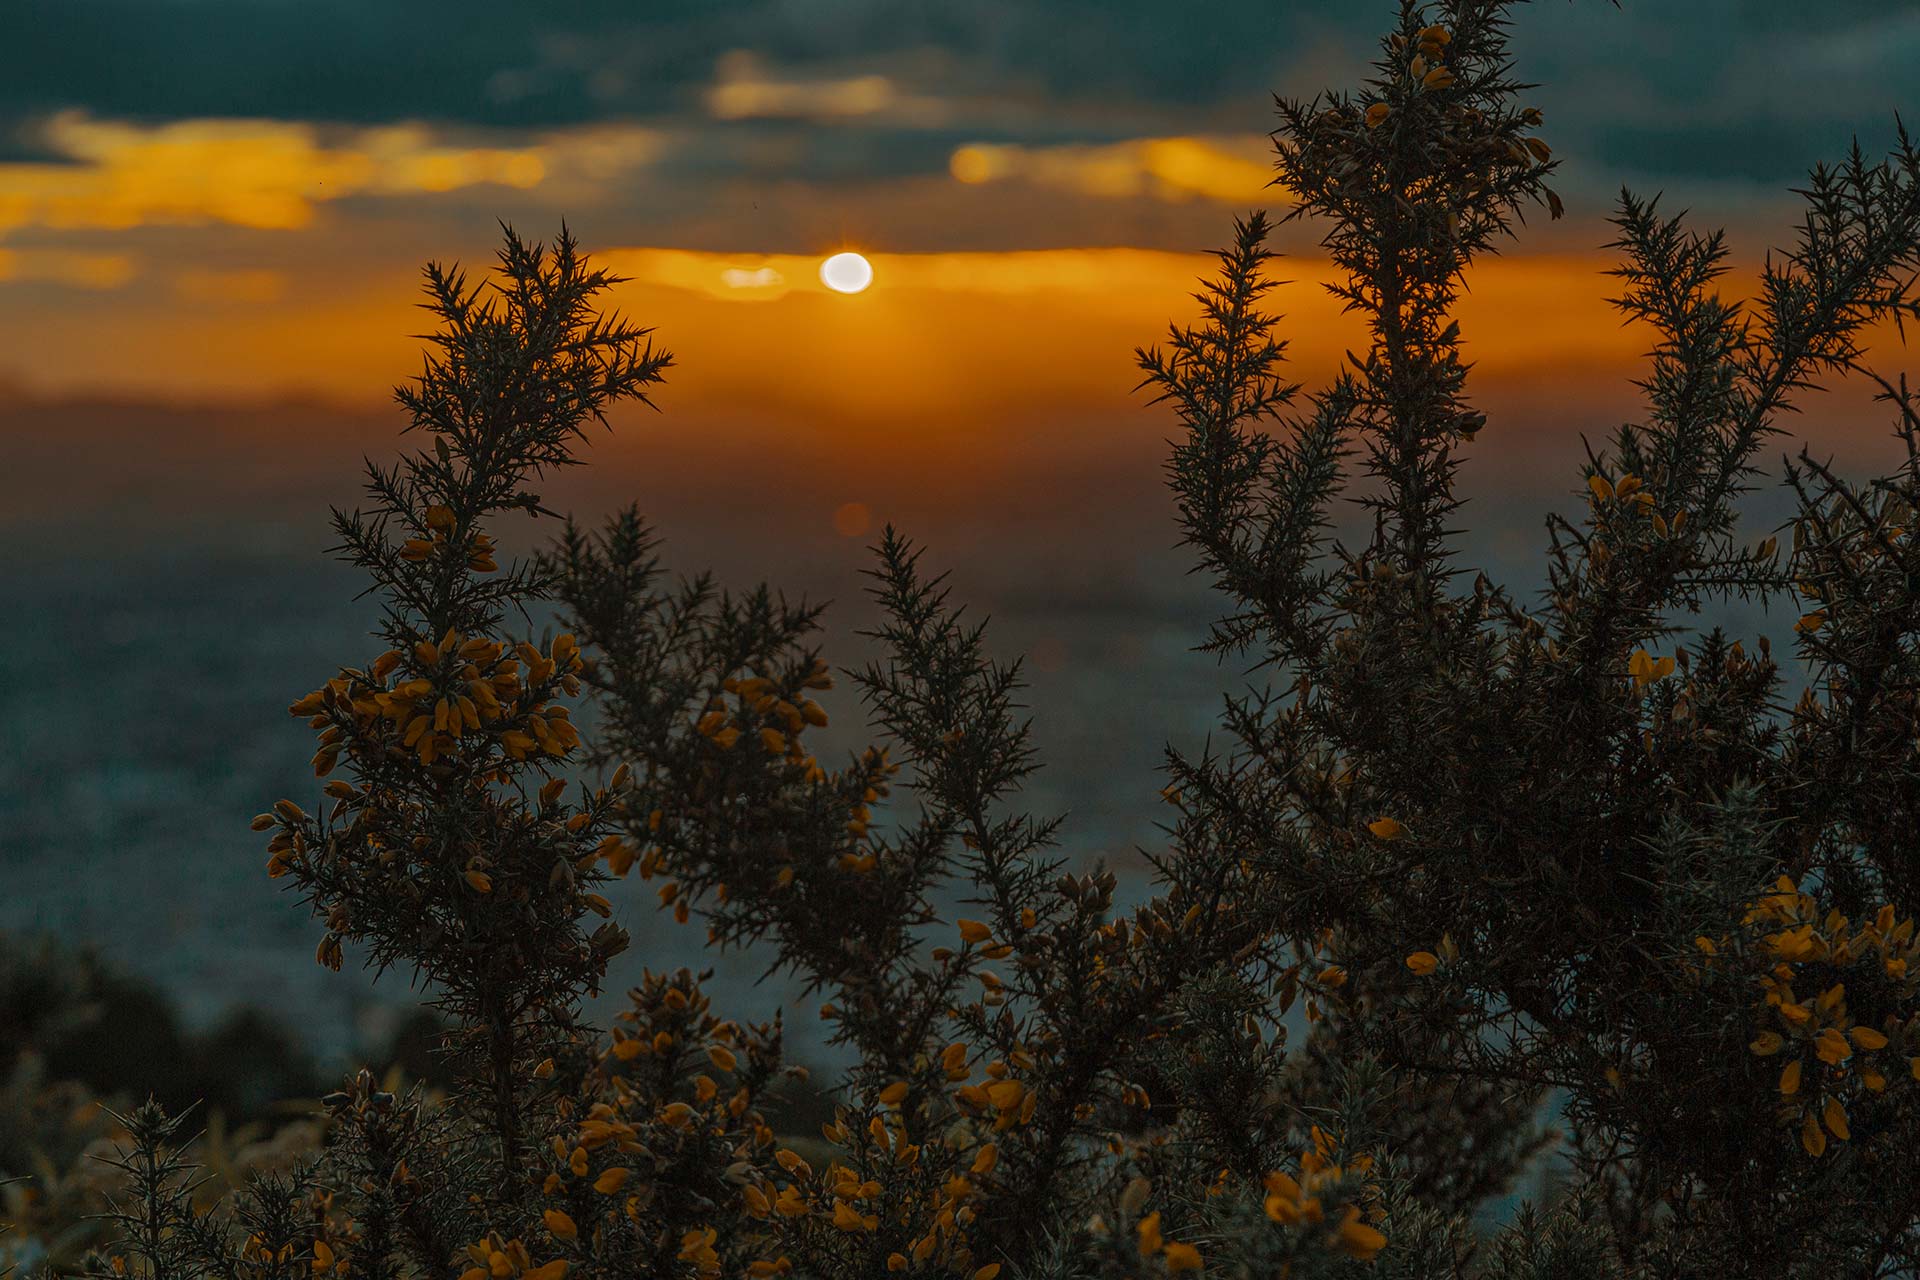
(846,273)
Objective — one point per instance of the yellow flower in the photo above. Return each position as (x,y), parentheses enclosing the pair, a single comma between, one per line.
(1423,962)
(894,1094)
(560,1225)
(1812,1137)
(1831,1047)
(1386,828)
(1377,114)
(1357,1238)
(1867,1038)
(1149,1231)
(974,931)
(1836,1117)
(480,881)
(611,1181)
(1790,1079)
(1182,1257)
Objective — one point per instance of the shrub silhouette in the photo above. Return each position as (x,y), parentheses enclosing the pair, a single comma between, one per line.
(1465,860)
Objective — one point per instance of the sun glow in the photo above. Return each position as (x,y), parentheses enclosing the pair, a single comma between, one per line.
(846,273)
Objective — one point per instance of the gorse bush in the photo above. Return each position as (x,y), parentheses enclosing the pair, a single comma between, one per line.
(1467,865)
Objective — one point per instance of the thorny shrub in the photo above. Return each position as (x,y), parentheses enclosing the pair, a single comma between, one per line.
(1463,861)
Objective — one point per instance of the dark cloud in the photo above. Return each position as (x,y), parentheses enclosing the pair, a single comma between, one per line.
(508,62)
(1752,91)
(515,62)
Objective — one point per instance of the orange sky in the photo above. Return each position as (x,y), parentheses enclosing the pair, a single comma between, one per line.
(950,336)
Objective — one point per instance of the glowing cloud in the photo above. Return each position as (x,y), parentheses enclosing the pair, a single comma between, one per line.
(746,90)
(246,287)
(67,267)
(759,278)
(1223,169)
(249,173)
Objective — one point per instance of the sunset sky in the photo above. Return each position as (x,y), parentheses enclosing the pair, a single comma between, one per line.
(224,204)
(231,198)
(213,214)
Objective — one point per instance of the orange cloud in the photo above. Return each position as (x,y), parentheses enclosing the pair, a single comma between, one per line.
(245,286)
(747,90)
(249,173)
(68,267)
(1230,169)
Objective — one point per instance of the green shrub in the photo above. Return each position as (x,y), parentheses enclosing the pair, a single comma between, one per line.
(1464,859)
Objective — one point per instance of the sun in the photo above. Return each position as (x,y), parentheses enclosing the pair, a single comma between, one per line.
(846,273)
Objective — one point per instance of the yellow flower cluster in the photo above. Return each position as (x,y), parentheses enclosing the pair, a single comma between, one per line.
(461,691)
(853,1202)
(696,1247)
(1627,496)
(257,1251)
(762,714)
(775,722)
(477,550)
(1428,66)
(1001,1097)
(1175,1255)
(1827,1051)
(1297,1201)
(1647,669)
(669,1018)
(494,1259)
(1423,964)
(324,1258)
(886,1183)
(878,770)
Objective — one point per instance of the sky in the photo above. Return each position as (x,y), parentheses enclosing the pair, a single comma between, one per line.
(231,198)
(213,215)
